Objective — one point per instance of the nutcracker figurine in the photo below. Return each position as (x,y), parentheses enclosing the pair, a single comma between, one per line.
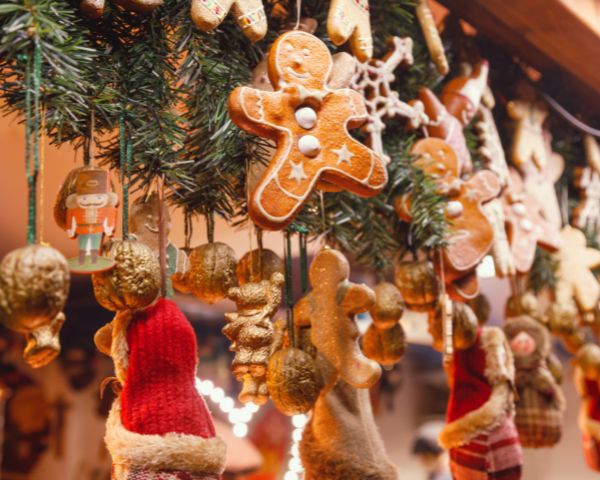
(91,214)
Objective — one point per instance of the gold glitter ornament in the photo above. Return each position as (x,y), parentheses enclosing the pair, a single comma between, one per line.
(293,381)
(386,346)
(588,360)
(257,265)
(562,322)
(251,333)
(212,271)
(388,306)
(464,325)
(34,284)
(135,280)
(418,285)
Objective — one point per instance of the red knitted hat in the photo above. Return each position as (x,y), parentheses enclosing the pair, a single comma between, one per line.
(164,423)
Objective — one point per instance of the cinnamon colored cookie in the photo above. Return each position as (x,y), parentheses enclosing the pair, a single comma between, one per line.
(309,122)
(249,14)
(350,20)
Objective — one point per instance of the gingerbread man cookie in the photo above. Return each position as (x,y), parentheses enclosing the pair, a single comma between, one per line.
(249,15)
(525,226)
(373,80)
(574,276)
(351,20)
(95,8)
(329,308)
(528,113)
(309,122)
(447,127)
(587,213)
(470,232)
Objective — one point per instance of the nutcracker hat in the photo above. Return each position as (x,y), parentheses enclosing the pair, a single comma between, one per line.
(91,182)
(160,422)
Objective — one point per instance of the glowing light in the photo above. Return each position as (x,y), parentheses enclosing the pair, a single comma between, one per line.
(299,421)
(217,395)
(240,430)
(227,404)
(486,268)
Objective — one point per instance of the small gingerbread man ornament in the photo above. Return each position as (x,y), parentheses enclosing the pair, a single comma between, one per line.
(528,114)
(470,232)
(351,20)
(462,95)
(575,279)
(587,213)
(249,15)
(309,123)
(330,308)
(525,225)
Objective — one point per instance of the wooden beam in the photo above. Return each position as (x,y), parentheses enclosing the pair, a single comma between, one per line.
(550,35)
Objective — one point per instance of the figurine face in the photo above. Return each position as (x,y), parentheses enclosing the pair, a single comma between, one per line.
(96,200)
(301,58)
(523,344)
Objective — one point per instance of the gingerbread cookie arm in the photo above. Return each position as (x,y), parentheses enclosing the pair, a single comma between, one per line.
(350,19)
(251,110)
(249,14)
(357,298)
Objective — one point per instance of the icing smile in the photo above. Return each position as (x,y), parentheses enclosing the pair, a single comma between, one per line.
(296,74)
(151,228)
(91,204)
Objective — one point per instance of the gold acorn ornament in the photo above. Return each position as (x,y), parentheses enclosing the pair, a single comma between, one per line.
(212,271)
(418,285)
(292,378)
(134,282)
(34,284)
(385,341)
(257,265)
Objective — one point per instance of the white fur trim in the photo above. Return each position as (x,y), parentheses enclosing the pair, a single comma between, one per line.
(499,370)
(172,451)
(119,350)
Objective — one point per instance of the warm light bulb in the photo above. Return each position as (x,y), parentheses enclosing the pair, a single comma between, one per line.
(299,421)
(217,395)
(227,405)
(240,430)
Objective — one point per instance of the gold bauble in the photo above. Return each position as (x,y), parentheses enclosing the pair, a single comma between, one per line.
(481,307)
(385,346)
(525,304)
(34,284)
(387,310)
(562,322)
(181,282)
(464,325)
(588,359)
(212,271)
(418,284)
(135,280)
(257,265)
(293,381)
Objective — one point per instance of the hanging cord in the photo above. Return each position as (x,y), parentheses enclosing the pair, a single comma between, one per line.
(32,132)
(259,247)
(447,320)
(298,13)
(569,117)
(564,205)
(188,231)
(162,237)
(89,153)
(42,175)
(126,154)
(289,288)
(303,249)
(210,227)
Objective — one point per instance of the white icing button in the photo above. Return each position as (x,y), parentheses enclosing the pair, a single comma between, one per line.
(519,209)
(454,209)
(526,225)
(309,145)
(306,117)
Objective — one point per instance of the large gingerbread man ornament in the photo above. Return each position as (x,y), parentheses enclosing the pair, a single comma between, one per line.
(470,232)
(351,20)
(309,123)
(330,308)
(249,14)
(526,227)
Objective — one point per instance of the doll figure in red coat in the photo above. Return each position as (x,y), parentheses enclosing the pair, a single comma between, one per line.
(480,432)
(587,381)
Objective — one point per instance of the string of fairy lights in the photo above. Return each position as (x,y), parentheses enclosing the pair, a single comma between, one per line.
(239,418)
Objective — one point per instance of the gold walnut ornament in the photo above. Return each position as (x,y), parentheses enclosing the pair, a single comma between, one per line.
(134,282)
(212,271)
(34,284)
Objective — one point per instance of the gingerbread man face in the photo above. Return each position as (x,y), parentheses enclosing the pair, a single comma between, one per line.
(470,232)
(309,123)
(329,310)
(525,226)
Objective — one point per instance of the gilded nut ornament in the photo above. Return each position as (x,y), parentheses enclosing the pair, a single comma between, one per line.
(293,381)
(212,271)
(258,265)
(588,360)
(418,284)
(34,284)
(387,346)
(388,307)
(134,282)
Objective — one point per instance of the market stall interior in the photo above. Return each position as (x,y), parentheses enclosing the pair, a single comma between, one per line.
(300,240)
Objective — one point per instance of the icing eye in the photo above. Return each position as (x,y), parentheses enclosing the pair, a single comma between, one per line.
(289,47)
(306,52)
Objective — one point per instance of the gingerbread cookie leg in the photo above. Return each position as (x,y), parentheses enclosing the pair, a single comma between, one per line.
(249,14)
(350,20)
